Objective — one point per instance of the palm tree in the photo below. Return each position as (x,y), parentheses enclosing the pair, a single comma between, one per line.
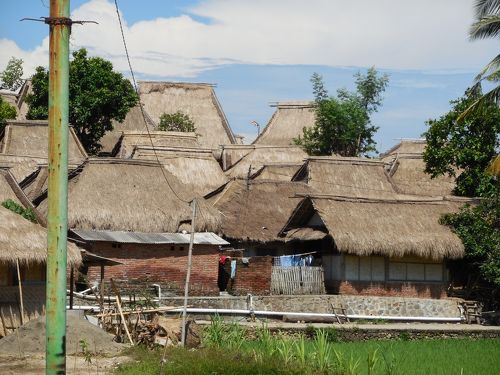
(487,25)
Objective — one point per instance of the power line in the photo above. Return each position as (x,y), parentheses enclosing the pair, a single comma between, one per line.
(142,109)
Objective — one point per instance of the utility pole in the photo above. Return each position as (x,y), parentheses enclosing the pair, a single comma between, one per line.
(57,217)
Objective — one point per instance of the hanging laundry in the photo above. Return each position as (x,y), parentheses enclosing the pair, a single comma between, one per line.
(233,269)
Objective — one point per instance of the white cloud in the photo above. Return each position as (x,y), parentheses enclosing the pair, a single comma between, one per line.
(391,34)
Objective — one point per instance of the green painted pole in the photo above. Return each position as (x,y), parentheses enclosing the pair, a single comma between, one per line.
(57,217)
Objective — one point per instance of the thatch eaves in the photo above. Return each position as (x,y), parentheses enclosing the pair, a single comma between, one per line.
(131,195)
(26,242)
(195,168)
(394,228)
(30,138)
(287,123)
(197,100)
(255,211)
(131,139)
(257,156)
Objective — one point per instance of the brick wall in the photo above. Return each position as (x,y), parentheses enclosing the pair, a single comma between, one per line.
(144,265)
(254,277)
(390,289)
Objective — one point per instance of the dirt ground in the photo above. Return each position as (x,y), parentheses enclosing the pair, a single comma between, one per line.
(35,365)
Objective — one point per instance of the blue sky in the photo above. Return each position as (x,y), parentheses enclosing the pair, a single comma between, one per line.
(259,52)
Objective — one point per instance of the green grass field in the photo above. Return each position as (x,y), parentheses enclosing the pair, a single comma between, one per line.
(429,357)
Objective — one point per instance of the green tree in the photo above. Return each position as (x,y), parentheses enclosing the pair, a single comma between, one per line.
(176,122)
(7,112)
(11,77)
(343,125)
(464,149)
(487,25)
(97,95)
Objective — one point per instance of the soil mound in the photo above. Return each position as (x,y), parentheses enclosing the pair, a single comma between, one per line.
(32,337)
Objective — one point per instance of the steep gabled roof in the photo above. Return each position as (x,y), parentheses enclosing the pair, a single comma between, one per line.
(195,168)
(406,147)
(287,123)
(350,177)
(256,156)
(30,138)
(257,210)
(197,100)
(393,228)
(131,195)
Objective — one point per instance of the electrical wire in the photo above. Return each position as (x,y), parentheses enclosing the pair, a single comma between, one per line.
(141,107)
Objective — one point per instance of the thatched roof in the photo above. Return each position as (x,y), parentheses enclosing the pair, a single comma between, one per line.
(195,168)
(30,138)
(392,228)
(197,100)
(408,175)
(406,147)
(256,156)
(21,239)
(131,139)
(131,195)
(258,210)
(134,121)
(6,191)
(287,123)
(277,172)
(18,99)
(350,177)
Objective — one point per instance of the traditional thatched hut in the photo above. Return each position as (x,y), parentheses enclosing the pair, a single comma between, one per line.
(195,168)
(242,161)
(131,139)
(131,195)
(29,138)
(380,246)
(254,211)
(287,123)
(197,100)
(24,244)
(406,168)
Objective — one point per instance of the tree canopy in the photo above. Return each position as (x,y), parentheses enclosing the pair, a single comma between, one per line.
(97,95)
(7,112)
(12,76)
(464,149)
(343,125)
(176,122)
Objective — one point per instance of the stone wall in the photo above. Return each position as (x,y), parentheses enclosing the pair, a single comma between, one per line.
(355,305)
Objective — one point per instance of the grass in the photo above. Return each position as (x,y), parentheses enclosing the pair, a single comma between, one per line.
(318,352)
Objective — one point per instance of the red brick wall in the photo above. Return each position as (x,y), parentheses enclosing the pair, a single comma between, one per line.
(391,289)
(254,277)
(144,265)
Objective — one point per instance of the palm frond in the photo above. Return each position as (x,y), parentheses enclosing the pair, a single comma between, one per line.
(491,70)
(491,97)
(486,27)
(494,167)
(486,7)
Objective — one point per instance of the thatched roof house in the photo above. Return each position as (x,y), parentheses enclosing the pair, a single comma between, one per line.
(195,168)
(197,100)
(406,168)
(30,138)
(350,177)
(27,242)
(393,228)
(131,195)
(241,161)
(130,139)
(255,211)
(287,123)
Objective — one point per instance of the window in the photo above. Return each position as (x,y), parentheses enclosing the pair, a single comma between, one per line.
(412,271)
(364,268)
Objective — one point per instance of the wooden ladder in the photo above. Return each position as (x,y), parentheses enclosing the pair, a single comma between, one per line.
(340,314)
